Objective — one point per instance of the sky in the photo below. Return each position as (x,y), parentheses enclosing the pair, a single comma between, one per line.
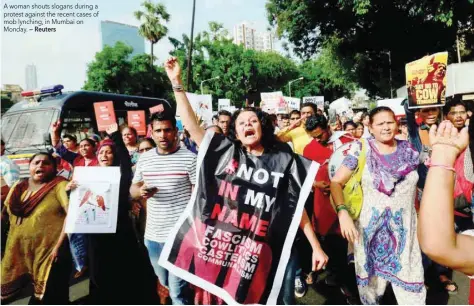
(62,57)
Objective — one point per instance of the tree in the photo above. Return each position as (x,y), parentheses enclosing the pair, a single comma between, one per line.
(113,71)
(7,102)
(368,29)
(326,75)
(152,28)
(217,31)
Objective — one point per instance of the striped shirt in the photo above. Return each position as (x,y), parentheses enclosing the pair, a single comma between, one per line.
(173,174)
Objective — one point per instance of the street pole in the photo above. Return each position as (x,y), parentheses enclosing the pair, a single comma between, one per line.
(457,47)
(390,68)
(289,84)
(202,82)
(190,54)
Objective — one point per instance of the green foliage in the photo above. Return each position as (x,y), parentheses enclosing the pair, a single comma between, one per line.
(152,28)
(244,74)
(113,71)
(6,102)
(368,29)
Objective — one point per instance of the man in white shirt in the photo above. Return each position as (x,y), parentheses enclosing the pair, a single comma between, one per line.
(165,177)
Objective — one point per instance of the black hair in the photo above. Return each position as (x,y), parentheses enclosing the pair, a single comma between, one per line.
(92,142)
(223,113)
(295,111)
(347,123)
(453,103)
(216,127)
(315,121)
(215,117)
(312,105)
(364,114)
(402,121)
(131,128)
(72,137)
(163,117)
(380,109)
(285,116)
(269,140)
(359,124)
(273,117)
(3,142)
(51,158)
(149,140)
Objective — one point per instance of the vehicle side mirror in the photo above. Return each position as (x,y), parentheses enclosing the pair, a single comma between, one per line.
(47,139)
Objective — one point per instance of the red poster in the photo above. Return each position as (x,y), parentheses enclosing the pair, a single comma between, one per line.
(156,109)
(104,114)
(136,119)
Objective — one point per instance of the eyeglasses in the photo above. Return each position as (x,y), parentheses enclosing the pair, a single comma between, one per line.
(144,150)
(460,113)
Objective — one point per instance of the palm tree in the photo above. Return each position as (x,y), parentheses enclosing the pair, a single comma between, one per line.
(152,28)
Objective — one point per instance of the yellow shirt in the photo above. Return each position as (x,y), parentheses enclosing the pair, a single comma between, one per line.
(297,136)
(30,243)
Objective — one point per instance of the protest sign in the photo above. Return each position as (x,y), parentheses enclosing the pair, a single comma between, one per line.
(234,238)
(104,114)
(293,103)
(78,245)
(223,103)
(93,205)
(230,108)
(318,100)
(426,81)
(157,109)
(136,119)
(270,101)
(202,106)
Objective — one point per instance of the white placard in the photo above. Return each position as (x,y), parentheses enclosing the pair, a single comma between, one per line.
(271,101)
(202,106)
(293,103)
(223,103)
(93,205)
(318,100)
(231,109)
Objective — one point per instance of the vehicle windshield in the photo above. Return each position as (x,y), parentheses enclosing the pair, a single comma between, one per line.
(25,131)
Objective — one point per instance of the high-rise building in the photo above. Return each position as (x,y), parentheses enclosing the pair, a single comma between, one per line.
(245,34)
(264,41)
(30,76)
(112,32)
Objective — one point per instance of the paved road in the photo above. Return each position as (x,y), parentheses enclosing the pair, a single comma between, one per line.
(318,294)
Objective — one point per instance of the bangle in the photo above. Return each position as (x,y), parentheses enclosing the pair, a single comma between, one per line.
(341,207)
(429,164)
(178,88)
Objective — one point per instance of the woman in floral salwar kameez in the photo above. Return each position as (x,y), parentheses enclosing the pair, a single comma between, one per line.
(386,248)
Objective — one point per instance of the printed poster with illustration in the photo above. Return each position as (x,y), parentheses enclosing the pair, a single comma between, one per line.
(202,106)
(234,238)
(426,81)
(93,205)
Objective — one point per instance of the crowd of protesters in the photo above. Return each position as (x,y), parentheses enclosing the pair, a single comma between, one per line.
(409,220)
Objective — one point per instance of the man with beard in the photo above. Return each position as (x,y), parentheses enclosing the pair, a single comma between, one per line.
(224,118)
(165,177)
(456,112)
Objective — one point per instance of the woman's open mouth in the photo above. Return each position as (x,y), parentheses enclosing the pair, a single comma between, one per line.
(249,134)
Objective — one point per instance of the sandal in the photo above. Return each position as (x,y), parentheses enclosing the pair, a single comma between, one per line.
(448,283)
